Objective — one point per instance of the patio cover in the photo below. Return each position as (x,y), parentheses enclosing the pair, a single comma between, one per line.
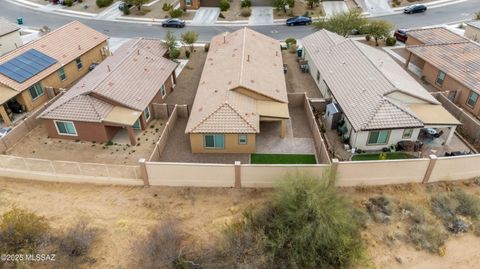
(123,116)
(433,114)
(272,109)
(7,94)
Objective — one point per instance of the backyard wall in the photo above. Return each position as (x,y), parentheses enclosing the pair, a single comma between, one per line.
(162,141)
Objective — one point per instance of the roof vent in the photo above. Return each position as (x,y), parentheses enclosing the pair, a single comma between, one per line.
(215,91)
(252,81)
(79,48)
(200,109)
(248,58)
(277,90)
(108,67)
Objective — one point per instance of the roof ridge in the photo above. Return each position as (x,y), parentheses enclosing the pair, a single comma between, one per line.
(403,109)
(90,101)
(240,115)
(243,56)
(372,115)
(441,44)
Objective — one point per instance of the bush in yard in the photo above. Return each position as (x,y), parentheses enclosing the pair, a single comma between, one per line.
(311,3)
(224,5)
(343,23)
(126,11)
(246,12)
(103,3)
(427,236)
(305,225)
(291,41)
(379,29)
(390,41)
(189,38)
(246,3)
(22,231)
(77,240)
(469,204)
(176,13)
(69,3)
(166,7)
(174,53)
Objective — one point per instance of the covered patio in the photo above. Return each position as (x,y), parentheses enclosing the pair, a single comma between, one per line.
(128,120)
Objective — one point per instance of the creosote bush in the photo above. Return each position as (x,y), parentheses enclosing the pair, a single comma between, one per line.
(104,3)
(427,236)
(176,13)
(77,240)
(224,5)
(380,208)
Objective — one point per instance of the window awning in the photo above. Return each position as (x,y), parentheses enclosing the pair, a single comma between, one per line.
(123,116)
(431,114)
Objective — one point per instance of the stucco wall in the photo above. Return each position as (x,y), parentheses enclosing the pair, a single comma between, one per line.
(231,144)
(360,139)
(456,168)
(88,131)
(472,33)
(195,4)
(322,86)
(10,42)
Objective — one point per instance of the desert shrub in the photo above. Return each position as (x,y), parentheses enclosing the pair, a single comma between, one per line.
(126,11)
(77,240)
(305,225)
(444,206)
(458,225)
(368,38)
(246,3)
(174,53)
(246,12)
(104,3)
(224,5)
(360,217)
(476,180)
(176,13)
(23,231)
(166,7)
(426,236)
(380,208)
(476,227)
(69,3)
(390,41)
(291,40)
(418,214)
(161,248)
(469,204)
(206,47)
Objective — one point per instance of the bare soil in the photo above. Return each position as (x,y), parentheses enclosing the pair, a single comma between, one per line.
(155,11)
(36,144)
(299,9)
(404,3)
(234,12)
(298,82)
(88,6)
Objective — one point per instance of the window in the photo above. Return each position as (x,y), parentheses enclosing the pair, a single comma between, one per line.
(163,91)
(318,76)
(136,125)
(188,2)
(216,141)
(66,128)
(440,78)
(78,61)
(407,133)
(35,91)
(61,74)
(472,99)
(242,139)
(146,113)
(378,137)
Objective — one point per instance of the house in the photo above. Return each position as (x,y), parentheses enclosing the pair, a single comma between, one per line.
(9,36)
(472,31)
(117,94)
(196,4)
(449,62)
(242,84)
(31,74)
(374,102)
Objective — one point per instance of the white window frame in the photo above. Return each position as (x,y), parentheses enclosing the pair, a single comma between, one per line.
(163,91)
(147,109)
(61,71)
(440,72)
(65,121)
(240,136)
(470,97)
(377,143)
(409,131)
(38,95)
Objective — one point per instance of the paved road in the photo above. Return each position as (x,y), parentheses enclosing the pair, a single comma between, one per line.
(441,15)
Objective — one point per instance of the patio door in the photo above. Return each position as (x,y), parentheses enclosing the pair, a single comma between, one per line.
(136,125)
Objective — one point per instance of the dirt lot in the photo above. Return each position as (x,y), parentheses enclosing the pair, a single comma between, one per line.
(296,80)
(36,144)
(156,11)
(124,214)
(234,12)
(300,8)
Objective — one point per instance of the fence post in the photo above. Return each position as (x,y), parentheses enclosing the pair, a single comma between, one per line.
(238,176)
(143,172)
(333,170)
(431,165)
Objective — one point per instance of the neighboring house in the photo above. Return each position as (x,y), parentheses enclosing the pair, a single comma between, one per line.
(375,102)
(196,4)
(472,30)
(242,84)
(31,74)
(117,94)
(9,36)
(449,62)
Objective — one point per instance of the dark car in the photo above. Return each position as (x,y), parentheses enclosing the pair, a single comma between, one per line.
(299,20)
(415,9)
(177,23)
(401,35)
(123,5)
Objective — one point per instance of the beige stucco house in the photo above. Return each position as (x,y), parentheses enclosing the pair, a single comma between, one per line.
(242,84)
(472,30)
(9,36)
(33,73)
(376,102)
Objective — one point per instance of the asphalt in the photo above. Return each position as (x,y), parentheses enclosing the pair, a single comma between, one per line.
(32,18)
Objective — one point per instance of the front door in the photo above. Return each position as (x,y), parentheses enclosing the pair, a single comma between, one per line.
(136,125)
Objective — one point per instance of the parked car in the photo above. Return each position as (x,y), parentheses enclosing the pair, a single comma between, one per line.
(401,35)
(299,20)
(417,8)
(4,131)
(124,5)
(177,23)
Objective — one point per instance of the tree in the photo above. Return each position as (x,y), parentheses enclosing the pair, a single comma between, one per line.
(280,4)
(171,45)
(136,3)
(343,23)
(378,29)
(189,38)
(311,3)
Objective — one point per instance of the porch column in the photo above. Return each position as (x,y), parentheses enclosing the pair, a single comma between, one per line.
(450,135)
(5,116)
(408,60)
(131,135)
(283,128)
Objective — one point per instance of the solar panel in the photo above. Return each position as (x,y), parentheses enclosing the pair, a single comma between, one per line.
(26,65)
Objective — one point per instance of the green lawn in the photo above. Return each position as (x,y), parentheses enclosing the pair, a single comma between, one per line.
(282,159)
(376,156)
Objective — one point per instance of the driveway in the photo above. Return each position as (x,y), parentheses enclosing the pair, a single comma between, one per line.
(261,16)
(375,7)
(334,7)
(206,16)
(110,13)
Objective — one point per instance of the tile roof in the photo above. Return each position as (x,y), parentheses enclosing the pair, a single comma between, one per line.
(241,59)
(64,44)
(362,80)
(435,35)
(130,78)
(459,60)
(7,27)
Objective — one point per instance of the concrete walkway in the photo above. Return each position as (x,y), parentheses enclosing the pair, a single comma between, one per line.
(375,7)
(206,16)
(261,16)
(111,13)
(334,7)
